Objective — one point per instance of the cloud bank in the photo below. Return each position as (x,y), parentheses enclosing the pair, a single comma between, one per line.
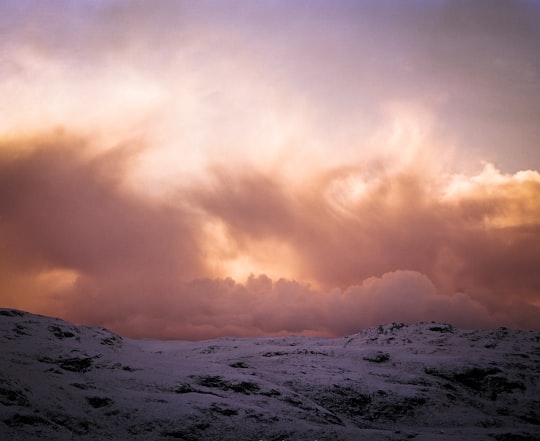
(402,246)
(195,170)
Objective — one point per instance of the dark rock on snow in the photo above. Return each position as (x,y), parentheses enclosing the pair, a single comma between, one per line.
(424,381)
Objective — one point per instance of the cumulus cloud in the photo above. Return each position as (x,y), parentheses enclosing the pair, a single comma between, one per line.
(406,296)
(207,308)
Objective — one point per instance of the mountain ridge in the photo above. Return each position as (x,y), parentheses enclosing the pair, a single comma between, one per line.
(420,381)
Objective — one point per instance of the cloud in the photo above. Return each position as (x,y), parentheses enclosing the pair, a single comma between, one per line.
(152,158)
(477,234)
(360,248)
(203,78)
(406,296)
(65,210)
(206,308)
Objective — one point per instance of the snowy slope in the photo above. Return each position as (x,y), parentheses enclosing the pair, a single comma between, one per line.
(423,381)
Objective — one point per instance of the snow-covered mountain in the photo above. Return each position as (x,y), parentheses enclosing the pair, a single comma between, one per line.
(424,381)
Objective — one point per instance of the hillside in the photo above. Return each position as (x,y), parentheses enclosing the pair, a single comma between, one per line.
(424,381)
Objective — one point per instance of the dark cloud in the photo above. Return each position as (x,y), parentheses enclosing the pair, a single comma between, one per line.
(62,208)
(74,212)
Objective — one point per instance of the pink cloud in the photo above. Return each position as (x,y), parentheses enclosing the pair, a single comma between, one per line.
(80,244)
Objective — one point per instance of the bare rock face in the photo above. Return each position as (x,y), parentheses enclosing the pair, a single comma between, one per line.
(425,381)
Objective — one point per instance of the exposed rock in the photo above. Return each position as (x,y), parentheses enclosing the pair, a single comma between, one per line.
(425,381)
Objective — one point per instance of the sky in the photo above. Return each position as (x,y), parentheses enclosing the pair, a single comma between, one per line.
(197,169)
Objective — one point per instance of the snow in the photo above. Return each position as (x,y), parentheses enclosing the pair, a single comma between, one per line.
(424,381)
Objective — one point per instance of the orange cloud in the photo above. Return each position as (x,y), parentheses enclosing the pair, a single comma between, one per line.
(406,246)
